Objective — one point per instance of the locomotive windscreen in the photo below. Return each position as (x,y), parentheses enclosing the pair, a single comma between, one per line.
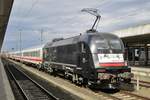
(115,44)
(100,43)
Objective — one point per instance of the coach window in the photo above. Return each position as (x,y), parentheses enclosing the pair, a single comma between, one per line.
(35,53)
(32,53)
(38,53)
(28,54)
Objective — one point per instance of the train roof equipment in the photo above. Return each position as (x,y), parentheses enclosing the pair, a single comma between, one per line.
(96,13)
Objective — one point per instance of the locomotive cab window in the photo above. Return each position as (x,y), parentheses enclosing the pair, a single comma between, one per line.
(115,44)
(101,44)
(98,43)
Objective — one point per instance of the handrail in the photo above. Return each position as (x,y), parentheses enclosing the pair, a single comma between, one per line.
(140,72)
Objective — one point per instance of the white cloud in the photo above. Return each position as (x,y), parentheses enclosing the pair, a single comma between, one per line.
(63,18)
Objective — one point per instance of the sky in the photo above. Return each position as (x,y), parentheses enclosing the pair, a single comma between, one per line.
(63,18)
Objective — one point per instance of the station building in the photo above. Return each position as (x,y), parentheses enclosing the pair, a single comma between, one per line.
(137,44)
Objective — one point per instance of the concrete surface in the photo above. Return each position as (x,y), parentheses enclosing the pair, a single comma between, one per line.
(143,91)
(5,89)
(142,73)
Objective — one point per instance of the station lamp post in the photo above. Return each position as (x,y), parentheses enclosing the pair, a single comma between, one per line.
(41,36)
(20,44)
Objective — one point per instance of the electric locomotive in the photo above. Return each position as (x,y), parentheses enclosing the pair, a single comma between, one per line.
(93,58)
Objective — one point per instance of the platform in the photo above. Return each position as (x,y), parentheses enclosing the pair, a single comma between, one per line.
(5,89)
(142,73)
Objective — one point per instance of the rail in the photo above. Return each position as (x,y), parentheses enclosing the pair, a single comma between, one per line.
(28,87)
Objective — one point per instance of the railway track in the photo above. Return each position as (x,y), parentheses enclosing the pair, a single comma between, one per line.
(121,95)
(30,89)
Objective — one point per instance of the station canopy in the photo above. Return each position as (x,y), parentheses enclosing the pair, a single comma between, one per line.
(138,34)
(5,9)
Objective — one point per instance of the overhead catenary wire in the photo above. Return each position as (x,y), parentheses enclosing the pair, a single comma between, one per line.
(18,27)
(35,2)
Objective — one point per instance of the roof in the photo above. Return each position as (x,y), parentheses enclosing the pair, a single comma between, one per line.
(5,9)
(30,49)
(138,34)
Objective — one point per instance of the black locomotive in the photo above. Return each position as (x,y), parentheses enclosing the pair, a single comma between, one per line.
(92,58)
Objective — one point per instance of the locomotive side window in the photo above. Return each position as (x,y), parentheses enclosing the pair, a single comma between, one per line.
(45,54)
(83,48)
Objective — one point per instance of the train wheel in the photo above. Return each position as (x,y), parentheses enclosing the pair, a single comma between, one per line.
(66,76)
(77,79)
(39,66)
(54,72)
(50,70)
(85,82)
(89,84)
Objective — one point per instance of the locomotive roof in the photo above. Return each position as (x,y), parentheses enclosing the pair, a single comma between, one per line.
(66,41)
(73,40)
